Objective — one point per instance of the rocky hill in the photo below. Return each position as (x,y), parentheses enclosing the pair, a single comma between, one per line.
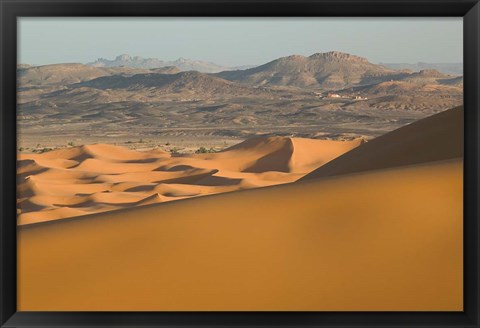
(64,74)
(330,71)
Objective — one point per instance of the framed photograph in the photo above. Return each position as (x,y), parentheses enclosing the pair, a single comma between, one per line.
(237,163)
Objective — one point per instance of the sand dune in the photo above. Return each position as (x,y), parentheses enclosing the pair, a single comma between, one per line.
(111,152)
(28,166)
(384,232)
(438,137)
(97,170)
(379,240)
(280,154)
(96,178)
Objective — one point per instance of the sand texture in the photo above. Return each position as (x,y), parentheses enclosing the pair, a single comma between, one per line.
(383,240)
(96,178)
(381,237)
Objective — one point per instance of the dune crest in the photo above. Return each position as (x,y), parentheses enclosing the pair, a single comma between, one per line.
(281,154)
(435,138)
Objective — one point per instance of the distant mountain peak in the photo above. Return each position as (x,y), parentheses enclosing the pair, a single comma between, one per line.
(125,57)
(294,57)
(330,55)
(329,70)
(338,55)
(183,64)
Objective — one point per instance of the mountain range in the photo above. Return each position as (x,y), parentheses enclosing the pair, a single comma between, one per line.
(326,71)
(207,67)
(328,95)
(182,64)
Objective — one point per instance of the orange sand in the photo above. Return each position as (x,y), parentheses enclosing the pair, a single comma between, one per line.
(387,236)
(382,240)
(97,178)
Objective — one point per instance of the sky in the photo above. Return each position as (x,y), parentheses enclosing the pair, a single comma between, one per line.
(238,41)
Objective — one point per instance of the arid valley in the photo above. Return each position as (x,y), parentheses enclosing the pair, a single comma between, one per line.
(332,95)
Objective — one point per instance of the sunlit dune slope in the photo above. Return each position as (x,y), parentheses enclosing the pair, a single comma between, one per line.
(434,138)
(290,155)
(97,178)
(379,240)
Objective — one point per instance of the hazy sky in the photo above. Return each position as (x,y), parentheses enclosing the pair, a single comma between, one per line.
(237,41)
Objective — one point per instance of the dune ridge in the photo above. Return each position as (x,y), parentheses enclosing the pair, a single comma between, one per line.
(435,138)
(96,178)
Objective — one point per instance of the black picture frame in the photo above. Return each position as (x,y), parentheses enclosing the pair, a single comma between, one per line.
(10,10)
